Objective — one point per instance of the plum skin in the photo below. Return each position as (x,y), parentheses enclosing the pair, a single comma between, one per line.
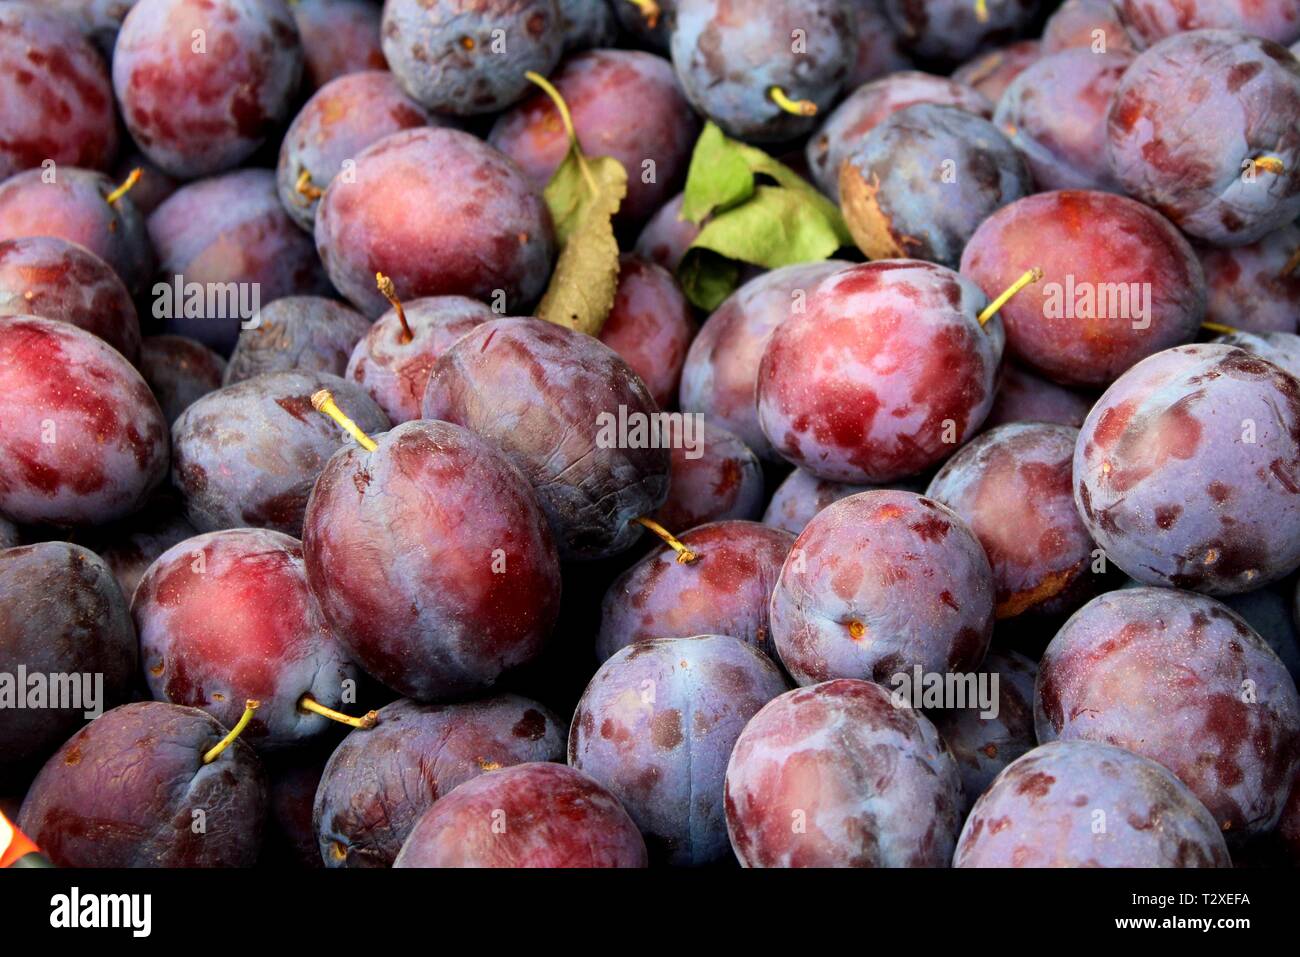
(309,333)
(801,496)
(1043,811)
(339,37)
(526,815)
(180,371)
(432,560)
(378,782)
(724,481)
(835,775)
(1109,675)
(1248,286)
(650,325)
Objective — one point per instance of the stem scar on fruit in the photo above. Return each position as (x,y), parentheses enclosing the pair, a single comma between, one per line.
(649,10)
(797,107)
(365,722)
(132,178)
(389,292)
(323,402)
(991,310)
(684,555)
(214,752)
(304,188)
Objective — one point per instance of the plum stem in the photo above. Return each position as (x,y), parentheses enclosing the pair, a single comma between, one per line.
(323,401)
(1218,328)
(304,188)
(684,555)
(649,10)
(1270,164)
(797,107)
(132,178)
(567,118)
(214,752)
(982,11)
(389,292)
(1292,264)
(1029,276)
(365,722)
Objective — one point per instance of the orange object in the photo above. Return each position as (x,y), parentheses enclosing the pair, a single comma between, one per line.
(16,848)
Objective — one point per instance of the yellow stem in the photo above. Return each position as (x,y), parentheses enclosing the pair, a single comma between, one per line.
(366,721)
(649,10)
(1029,276)
(684,555)
(215,751)
(132,178)
(389,292)
(1270,164)
(797,107)
(305,189)
(549,89)
(1219,328)
(323,401)
(982,11)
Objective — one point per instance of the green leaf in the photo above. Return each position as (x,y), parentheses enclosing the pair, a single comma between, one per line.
(749,219)
(583,196)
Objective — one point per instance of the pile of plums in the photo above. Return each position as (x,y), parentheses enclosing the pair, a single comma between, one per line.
(974,543)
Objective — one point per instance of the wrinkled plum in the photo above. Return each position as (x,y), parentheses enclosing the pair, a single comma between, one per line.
(229,237)
(664,754)
(333,127)
(1024,397)
(248,454)
(724,591)
(801,496)
(991,73)
(338,37)
(127,789)
(556,401)
(1182,680)
(1076,23)
(717,479)
(84,441)
(650,326)
(227,616)
(720,376)
(667,236)
(924,179)
(1251,287)
(61,614)
(469,56)
(836,776)
(879,583)
(441,213)
(202,83)
(55,279)
(432,560)
(180,371)
(884,374)
(1153,20)
(1187,123)
(308,333)
(1101,305)
(951,30)
(1044,811)
(1187,471)
(380,781)
(1012,486)
(625,104)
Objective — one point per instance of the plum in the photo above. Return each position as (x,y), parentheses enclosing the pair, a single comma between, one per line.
(656,726)
(527,815)
(180,371)
(851,121)
(99,19)
(1288,828)
(625,104)
(84,441)
(879,48)
(991,73)
(667,236)
(879,583)
(1012,486)
(1270,611)
(982,744)
(63,620)
(392,361)
(229,237)
(761,71)
(951,30)
(723,590)
(227,616)
(587,24)
(1089,804)
(1255,288)
(308,333)
(132,789)
(1280,348)
(1024,397)
(1153,20)
(885,372)
(1190,119)
(56,95)
(341,119)
(1055,114)
(56,279)
(379,782)
(922,181)
(431,558)
(801,496)
(249,453)
(720,375)
(1102,305)
(1187,470)
(83,207)
(1094,24)
(717,480)
(202,83)
(129,546)
(836,776)
(338,37)
(1182,680)
(650,326)
(441,213)
(467,57)
(571,415)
